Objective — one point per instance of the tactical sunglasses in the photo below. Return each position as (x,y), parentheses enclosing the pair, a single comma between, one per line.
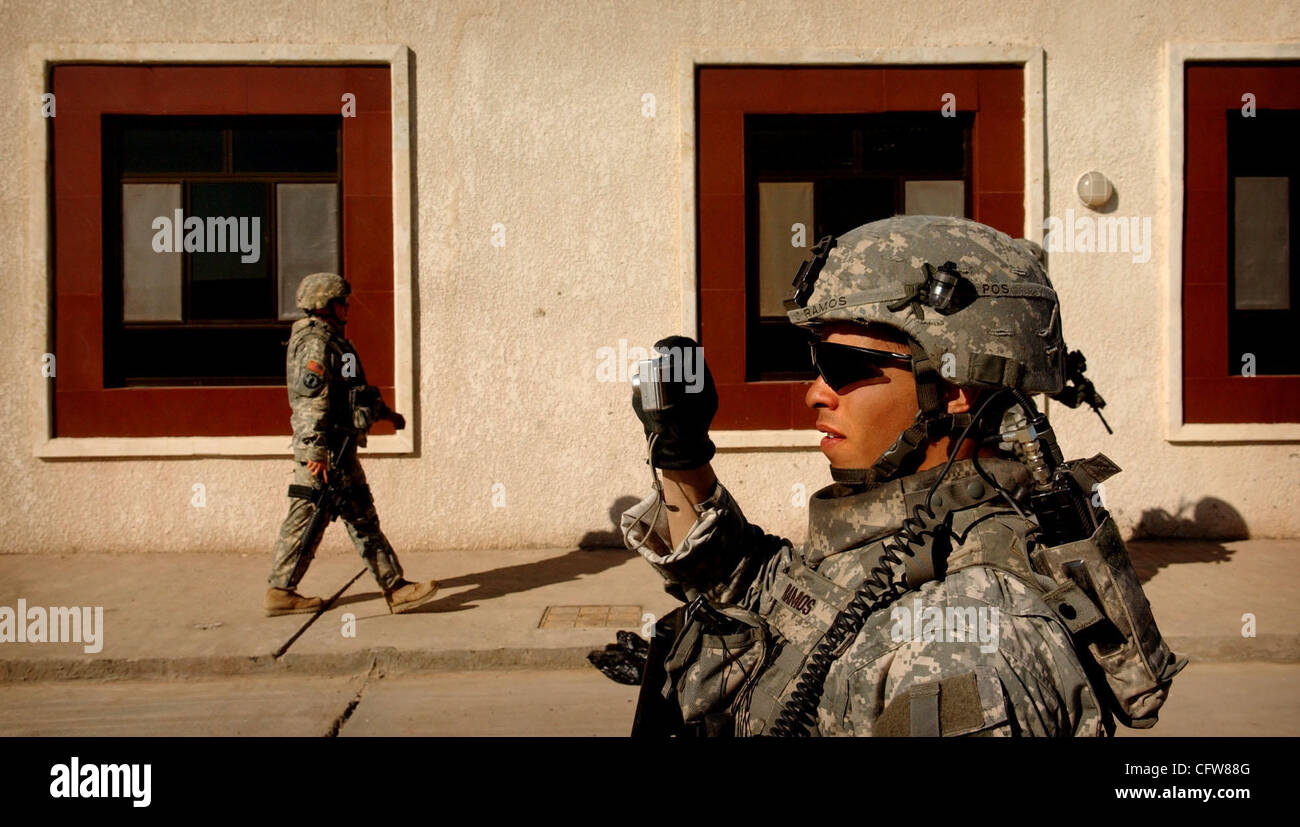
(842,365)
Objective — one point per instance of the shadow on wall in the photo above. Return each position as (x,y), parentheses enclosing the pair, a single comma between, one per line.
(612,538)
(1188,536)
(1211,518)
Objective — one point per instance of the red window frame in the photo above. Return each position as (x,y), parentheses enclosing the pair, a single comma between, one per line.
(725,95)
(1212,394)
(83,407)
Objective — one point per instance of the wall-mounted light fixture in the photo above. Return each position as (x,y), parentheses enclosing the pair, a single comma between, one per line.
(1094,190)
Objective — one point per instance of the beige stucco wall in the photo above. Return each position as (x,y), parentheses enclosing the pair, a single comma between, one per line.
(530,114)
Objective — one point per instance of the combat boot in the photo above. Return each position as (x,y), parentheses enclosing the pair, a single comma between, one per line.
(405,595)
(288,602)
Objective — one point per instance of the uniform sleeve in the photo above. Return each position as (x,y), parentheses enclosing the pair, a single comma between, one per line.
(369,408)
(723,556)
(309,375)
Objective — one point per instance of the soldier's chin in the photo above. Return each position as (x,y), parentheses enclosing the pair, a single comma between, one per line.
(837,450)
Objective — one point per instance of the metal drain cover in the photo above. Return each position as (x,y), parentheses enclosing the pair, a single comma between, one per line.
(590,617)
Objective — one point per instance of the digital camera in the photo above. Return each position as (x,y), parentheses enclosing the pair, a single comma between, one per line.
(654,378)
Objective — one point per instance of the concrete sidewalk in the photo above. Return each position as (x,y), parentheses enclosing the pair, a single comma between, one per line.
(192,615)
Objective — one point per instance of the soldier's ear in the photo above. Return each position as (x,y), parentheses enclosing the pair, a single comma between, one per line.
(959,399)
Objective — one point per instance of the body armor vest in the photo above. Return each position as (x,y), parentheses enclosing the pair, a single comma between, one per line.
(756,660)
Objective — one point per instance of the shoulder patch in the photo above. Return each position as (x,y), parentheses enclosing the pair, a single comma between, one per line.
(310,370)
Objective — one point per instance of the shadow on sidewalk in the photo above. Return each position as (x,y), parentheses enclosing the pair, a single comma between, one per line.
(1162,539)
(596,552)
(521,578)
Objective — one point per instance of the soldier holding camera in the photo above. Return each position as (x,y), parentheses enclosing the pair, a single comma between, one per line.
(950,497)
(331,400)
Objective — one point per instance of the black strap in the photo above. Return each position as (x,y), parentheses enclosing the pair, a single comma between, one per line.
(999,371)
(928,398)
(304,492)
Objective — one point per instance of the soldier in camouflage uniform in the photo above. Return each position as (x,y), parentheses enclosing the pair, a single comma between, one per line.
(919,604)
(330,399)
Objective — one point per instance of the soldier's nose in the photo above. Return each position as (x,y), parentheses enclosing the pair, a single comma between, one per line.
(820,395)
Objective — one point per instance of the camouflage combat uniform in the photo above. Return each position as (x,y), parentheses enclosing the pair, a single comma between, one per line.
(1023,679)
(768,621)
(323,376)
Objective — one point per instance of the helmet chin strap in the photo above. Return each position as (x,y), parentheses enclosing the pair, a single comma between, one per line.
(908,450)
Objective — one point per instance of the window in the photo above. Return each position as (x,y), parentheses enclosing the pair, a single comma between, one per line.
(216,220)
(1239,278)
(808,176)
(829,149)
(1262,315)
(190,343)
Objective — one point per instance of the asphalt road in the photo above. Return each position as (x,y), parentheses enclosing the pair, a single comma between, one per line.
(1215,699)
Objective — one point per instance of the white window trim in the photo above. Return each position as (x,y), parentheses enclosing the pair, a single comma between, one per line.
(1176,429)
(40,59)
(1029,58)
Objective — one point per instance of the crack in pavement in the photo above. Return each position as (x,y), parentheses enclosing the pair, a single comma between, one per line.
(343,717)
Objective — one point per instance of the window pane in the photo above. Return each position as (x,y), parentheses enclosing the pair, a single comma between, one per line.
(800,142)
(1262,243)
(844,204)
(307,237)
(309,144)
(781,205)
(172,148)
(914,141)
(229,274)
(209,354)
(151,280)
(935,198)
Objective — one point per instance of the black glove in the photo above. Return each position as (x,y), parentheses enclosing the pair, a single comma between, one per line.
(399,421)
(683,427)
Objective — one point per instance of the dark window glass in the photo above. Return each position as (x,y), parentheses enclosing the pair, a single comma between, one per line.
(840,204)
(204,355)
(235,284)
(182,147)
(306,147)
(771,146)
(914,143)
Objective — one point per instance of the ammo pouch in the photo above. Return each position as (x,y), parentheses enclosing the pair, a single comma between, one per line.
(714,655)
(1123,640)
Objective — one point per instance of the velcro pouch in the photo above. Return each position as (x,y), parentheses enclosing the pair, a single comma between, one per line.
(971,703)
(1137,662)
(718,650)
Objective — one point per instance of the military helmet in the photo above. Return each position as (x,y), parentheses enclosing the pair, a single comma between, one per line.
(316,291)
(977,302)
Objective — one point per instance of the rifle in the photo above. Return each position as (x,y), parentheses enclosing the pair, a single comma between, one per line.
(326,502)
